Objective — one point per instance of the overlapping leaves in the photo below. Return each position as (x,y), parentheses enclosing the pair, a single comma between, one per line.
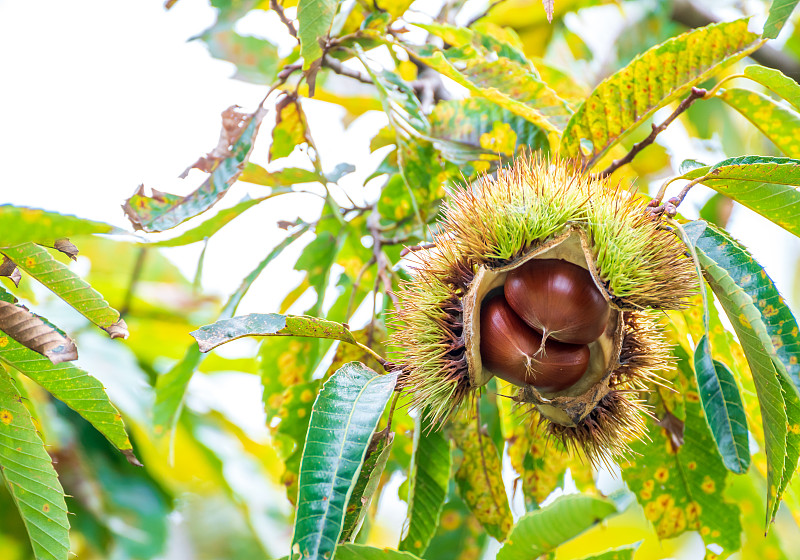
(652,80)
(30,476)
(766,185)
(769,336)
(343,420)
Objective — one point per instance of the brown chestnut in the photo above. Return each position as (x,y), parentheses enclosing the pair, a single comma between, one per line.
(510,349)
(559,299)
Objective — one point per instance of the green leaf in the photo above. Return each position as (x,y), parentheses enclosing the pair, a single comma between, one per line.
(459,535)
(368,479)
(362,552)
(479,478)
(268,324)
(286,177)
(621,553)
(428,484)
(171,390)
(32,481)
(294,411)
(314,18)
(772,319)
(503,81)
(343,419)
(778,123)
(462,36)
(484,130)
(67,285)
(291,128)
(723,407)
(775,81)
(792,402)
(256,60)
(359,552)
(213,225)
(651,81)
(766,185)
(19,225)
(681,485)
(737,280)
(163,211)
(74,387)
(779,13)
(540,532)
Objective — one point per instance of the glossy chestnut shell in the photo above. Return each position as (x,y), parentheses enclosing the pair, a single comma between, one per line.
(558,299)
(510,349)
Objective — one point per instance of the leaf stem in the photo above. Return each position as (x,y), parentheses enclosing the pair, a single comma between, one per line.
(378,358)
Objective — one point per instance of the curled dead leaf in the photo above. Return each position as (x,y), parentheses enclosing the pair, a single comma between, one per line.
(233,124)
(10,271)
(67,247)
(32,332)
(161,211)
(118,329)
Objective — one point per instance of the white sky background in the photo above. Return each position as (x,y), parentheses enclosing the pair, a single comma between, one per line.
(99,96)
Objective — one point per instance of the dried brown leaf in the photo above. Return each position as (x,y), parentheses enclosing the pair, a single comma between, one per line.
(10,271)
(65,246)
(118,329)
(233,124)
(31,331)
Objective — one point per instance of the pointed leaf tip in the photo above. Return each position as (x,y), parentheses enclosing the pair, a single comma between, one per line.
(131,457)
(65,246)
(118,329)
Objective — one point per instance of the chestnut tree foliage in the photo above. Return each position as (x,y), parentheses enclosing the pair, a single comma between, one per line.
(463,88)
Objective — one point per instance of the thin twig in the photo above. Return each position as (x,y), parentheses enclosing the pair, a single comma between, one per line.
(329,62)
(670,207)
(485,13)
(279,10)
(694,95)
(413,248)
(283,75)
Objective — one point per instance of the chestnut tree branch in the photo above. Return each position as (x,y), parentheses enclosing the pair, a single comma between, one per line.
(694,95)
(329,62)
(279,10)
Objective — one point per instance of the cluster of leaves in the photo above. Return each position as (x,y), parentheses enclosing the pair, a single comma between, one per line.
(339,430)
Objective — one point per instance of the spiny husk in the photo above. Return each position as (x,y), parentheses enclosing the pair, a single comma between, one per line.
(496,222)
(604,434)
